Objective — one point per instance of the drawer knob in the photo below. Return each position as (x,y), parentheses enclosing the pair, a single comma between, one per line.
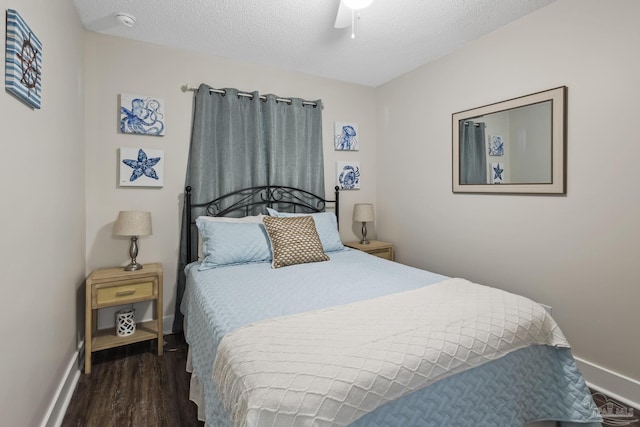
(125,293)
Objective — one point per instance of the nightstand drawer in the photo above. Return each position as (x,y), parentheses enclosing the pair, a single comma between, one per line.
(382,253)
(122,294)
(375,248)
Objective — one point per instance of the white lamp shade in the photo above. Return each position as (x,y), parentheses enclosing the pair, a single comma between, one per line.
(357,4)
(132,223)
(363,212)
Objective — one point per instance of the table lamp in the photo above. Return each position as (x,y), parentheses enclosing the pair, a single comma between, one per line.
(134,224)
(363,212)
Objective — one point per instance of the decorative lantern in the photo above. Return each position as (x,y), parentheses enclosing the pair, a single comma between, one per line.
(125,322)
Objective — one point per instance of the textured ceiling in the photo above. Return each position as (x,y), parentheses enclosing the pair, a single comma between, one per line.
(392,37)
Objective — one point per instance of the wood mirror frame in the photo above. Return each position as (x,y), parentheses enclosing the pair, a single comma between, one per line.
(553,180)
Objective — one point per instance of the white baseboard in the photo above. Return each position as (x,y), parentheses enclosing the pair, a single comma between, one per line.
(62,397)
(615,385)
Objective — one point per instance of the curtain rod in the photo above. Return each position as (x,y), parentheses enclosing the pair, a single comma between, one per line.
(187,88)
(466,123)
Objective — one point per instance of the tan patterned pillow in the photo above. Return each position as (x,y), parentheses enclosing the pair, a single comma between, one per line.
(294,240)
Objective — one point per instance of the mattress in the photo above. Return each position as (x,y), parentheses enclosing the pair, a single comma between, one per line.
(535,383)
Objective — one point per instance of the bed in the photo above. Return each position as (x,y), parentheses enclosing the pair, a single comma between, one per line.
(345,338)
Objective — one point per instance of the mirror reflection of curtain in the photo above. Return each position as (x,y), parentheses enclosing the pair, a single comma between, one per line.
(473,156)
(239,142)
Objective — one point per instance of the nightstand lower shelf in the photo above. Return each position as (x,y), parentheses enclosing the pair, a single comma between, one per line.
(107,338)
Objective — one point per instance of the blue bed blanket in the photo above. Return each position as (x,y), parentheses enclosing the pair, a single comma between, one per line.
(531,384)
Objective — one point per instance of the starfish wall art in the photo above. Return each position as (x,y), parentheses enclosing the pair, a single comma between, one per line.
(141,167)
(497,173)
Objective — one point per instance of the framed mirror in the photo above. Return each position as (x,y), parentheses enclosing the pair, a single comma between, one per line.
(513,146)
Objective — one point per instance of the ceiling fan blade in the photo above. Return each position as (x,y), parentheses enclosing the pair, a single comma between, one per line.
(343,17)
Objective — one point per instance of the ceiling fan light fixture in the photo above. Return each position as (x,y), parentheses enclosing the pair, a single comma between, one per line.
(357,4)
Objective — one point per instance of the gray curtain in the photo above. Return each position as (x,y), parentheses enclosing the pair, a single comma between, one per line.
(293,135)
(227,149)
(473,156)
(238,142)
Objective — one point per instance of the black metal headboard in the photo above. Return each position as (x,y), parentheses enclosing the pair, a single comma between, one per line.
(254,200)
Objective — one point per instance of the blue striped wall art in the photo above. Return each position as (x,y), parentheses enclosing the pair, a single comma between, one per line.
(23,64)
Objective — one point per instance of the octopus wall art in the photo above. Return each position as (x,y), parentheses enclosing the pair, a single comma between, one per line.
(141,115)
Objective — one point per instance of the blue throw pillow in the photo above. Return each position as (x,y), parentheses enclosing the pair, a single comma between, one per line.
(326,226)
(233,243)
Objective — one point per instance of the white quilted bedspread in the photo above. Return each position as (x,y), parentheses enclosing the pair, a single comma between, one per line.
(332,366)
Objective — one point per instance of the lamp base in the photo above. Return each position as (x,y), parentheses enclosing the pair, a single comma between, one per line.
(134,266)
(133,253)
(364,240)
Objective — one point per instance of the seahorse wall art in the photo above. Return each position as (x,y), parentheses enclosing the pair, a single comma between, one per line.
(141,115)
(346,136)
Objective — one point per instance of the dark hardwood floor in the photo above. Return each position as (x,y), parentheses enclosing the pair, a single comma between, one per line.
(615,413)
(132,386)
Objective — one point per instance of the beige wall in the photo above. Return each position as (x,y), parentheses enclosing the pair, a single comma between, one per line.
(115,66)
(579,252)
(42,247)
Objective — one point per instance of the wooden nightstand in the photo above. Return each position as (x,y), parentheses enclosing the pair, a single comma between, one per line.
(109,287)
(375,247)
